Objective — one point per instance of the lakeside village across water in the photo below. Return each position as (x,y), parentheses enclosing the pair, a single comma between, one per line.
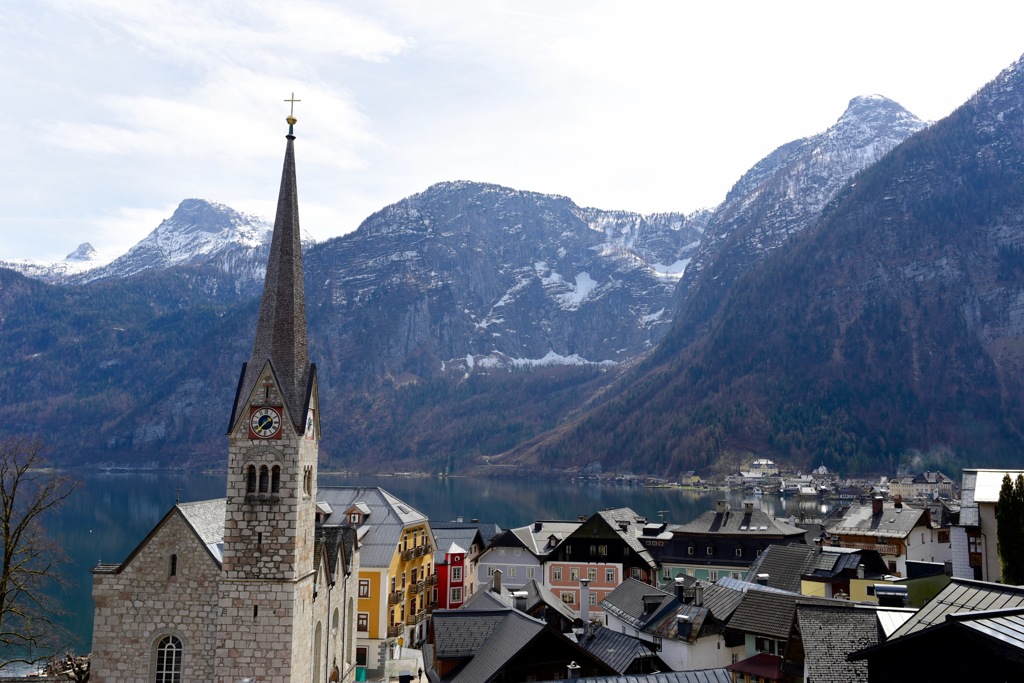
(655,530)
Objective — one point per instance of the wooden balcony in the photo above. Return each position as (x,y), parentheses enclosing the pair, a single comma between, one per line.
(396,597)
(395,631)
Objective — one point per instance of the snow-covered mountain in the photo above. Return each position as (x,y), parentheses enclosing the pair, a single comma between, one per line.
(468,276)
(82,259)
(199,233)
(786,192)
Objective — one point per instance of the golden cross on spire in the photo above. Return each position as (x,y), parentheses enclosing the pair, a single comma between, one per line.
(291,115)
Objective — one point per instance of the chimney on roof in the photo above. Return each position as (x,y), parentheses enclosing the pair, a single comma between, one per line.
(876,505)
(748,507)
(897,501)
(474,520)
(721,506)
(860,570)
(496,581)
(683,626)
(574,670)
(682,594)
(581,518)
(537,526)
(585,600)
(459,519)
(698,594)
(762,579)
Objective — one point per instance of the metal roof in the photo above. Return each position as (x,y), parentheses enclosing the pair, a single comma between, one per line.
(959,596)
(702,676)
(382,529)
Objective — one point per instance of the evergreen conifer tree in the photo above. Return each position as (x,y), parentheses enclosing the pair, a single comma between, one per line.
(1010,529)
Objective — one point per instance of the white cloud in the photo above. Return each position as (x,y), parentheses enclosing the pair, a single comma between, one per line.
(647,106)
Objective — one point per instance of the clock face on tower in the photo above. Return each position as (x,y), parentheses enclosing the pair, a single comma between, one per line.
(265,423)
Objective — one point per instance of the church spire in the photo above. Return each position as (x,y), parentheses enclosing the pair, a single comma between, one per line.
(281,330)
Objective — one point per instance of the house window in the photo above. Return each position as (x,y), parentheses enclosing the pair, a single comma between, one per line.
(512,571)
(689,550)
(456,595)
(363,622)
(635,573)
(574,573)
(739,552)
(713,575)
(168,660)
(174,565)
(568,597)
(501,551)
(556,574)
(394,586)
(531,573)
(264,479)
(403,579)
(974,544)
(353,518)
(602,550)
(759,552)
(609,575)
(364,588)
(361,653)
(592,574)
(568,550)
(456,573)
(592,600)
(593,550)
(709,550)
(517,551)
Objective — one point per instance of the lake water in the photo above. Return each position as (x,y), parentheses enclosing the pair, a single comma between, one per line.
(112,513)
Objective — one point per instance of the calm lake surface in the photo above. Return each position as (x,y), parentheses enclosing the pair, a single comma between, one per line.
(111,513)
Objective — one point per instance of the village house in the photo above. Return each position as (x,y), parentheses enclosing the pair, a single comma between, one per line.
(396,576)
(471,544)
(681,625)
(924,485)
(720,542)
(603,550)
(974,539)
(897,531)
(520,553)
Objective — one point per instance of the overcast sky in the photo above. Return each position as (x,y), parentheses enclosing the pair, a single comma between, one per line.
(118,109)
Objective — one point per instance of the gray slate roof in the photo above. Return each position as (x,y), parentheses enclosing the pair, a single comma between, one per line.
(892,522)
(786,564)
(489,637)
(830,633)
(634,524)
(207,518)
(535,594)
(770,614)
(382,529)
(541,537)
(657,616)
(615,649)
(751,523)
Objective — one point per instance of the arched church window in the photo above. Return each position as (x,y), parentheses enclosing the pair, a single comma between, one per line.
(250,479)
(334,620)
(168,660)
(264,479)
(174,565)
(275,479)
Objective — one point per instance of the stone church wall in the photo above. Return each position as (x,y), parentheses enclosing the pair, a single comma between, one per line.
(138,606)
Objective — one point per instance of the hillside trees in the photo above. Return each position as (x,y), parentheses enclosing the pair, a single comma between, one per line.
(1010,529)
(28,493)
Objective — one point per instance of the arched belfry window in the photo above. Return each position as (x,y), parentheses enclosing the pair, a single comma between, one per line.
(275,479)
(264,479)
(250,479)
(168,660)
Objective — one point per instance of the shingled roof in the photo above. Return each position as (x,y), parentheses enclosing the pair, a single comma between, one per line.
(769,613)
(281,329)
(381,532)
(831,632)
(891,522)
(750,521)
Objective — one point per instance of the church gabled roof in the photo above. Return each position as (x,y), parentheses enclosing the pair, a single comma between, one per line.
(281,329)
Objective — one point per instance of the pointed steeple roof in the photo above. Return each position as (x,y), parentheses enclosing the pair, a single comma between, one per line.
(281,330)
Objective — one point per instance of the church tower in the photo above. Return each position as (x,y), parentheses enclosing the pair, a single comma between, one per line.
(264,627)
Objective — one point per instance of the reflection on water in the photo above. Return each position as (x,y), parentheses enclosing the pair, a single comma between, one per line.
(113,512)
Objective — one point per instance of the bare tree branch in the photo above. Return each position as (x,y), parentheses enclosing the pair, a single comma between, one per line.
(30,561)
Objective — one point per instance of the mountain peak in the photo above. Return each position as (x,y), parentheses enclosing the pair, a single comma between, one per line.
(877,112)
(84,252)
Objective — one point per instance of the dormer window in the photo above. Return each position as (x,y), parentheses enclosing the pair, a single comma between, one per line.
(355,518)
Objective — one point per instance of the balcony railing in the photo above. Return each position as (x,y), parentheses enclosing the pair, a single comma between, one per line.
(395,631)
(396,597)
(432,580)
(408,554)
(413,619)
(415,588)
